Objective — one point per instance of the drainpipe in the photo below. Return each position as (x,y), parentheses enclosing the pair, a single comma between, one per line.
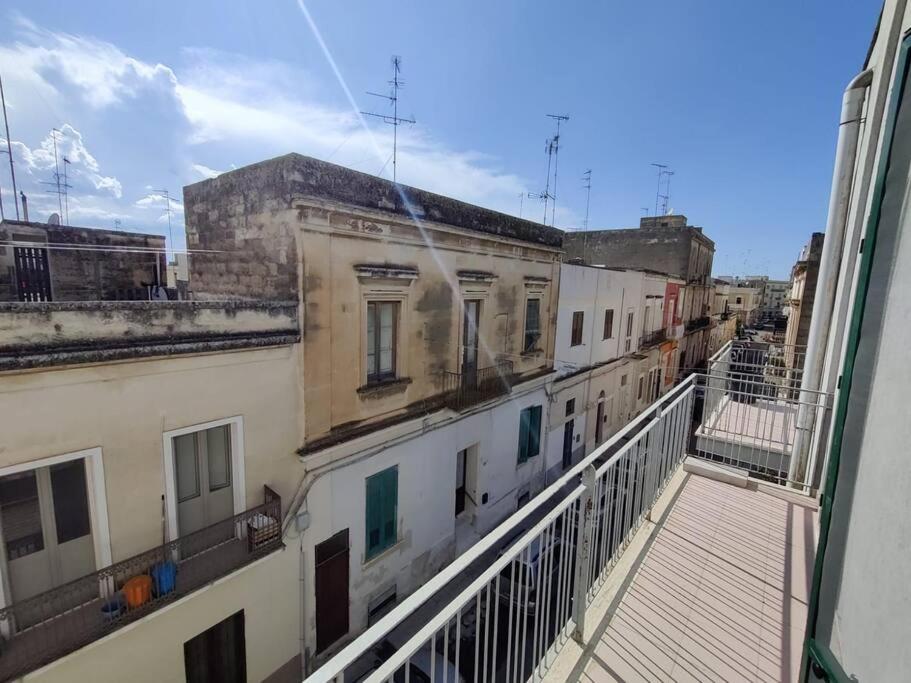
(830,260)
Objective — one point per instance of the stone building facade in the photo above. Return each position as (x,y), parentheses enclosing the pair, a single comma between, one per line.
(48,262)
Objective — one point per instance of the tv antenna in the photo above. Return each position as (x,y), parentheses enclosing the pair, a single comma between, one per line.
(521,203)
(663,173)
(395,120)
(666,197)
(9,151)
(554,148)
(168,200)
(587,180)
(59,185)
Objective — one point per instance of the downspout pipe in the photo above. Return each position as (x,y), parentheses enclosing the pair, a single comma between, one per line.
(827,282)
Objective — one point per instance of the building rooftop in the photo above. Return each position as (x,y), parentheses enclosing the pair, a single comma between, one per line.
(305,176)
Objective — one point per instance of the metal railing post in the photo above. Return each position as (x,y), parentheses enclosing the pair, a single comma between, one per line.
(658,457)
(583,551)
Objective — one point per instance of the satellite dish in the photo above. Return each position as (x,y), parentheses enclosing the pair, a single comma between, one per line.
(54,219)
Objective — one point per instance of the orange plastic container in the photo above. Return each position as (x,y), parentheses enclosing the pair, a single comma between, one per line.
(138,590)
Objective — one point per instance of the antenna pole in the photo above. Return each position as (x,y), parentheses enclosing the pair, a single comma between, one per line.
(556,151)
(9,151)
(54,132)
(167,198)
(395,120)
(587,178)
(661,168)
(66,194)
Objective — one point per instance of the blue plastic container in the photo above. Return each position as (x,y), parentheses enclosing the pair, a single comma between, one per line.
(164,578)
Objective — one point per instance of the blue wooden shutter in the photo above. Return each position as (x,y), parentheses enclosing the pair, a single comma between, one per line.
(382,509)
(534,431)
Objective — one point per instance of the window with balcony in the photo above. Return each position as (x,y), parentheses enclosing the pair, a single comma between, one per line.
(382,321)
(532,324)
(529,433)
(608,323)
(382,508)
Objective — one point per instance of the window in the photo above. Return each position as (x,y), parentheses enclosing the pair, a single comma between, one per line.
(570,407)
(578,318)
(529,433)
(608,323)
(382,508)
(629,324)
(739,300)
(461,458)
(382,318)
(639,391)
(532,324)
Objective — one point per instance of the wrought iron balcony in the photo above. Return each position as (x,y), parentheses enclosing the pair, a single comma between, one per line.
(653,338)
(698,323)
(45,627)
(462,390)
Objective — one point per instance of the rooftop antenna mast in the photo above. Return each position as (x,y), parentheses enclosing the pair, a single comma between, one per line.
(167,198)
(587,180)
(66,194)
(555,149)
(662,169)
(9,151)
(395,120)
(59,184)
(666,197)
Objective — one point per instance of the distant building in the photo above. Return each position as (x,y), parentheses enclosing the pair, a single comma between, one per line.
(803,293)
(667,245)
(50,262)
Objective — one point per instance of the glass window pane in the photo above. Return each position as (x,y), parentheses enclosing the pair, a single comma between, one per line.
(186,467)
(218,451)
(387,323)
(371,339)
(71,503)
(20,515)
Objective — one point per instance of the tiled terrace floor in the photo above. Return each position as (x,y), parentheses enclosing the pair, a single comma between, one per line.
(720,595)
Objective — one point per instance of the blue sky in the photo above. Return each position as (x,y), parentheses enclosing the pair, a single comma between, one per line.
(740,99)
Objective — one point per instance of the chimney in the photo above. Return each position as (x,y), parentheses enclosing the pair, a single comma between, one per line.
(24,206)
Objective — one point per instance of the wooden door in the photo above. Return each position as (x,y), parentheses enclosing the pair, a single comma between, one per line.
(332,557)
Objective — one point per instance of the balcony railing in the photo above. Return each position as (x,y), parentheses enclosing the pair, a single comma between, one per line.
(698,323)
(653,338)
(47,626)
(465,389)
(504,609)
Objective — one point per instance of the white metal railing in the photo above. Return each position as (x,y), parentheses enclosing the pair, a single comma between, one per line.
(749,412)
(511,619)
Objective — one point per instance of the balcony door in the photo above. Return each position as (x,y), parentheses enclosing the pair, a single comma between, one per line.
(471,322)
(46,526)
(204,478)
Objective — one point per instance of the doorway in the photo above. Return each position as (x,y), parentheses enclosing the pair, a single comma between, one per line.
(568,444)
(331,584)
(203,476)
(46,525)
(470,325)
(599,420)
(218,654)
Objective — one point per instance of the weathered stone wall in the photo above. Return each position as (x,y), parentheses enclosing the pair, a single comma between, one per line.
(39,334)
(249,217)
(660,249)
(78,274)
(296,228)
(814,255)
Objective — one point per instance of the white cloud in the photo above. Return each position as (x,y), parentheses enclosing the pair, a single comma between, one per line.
(204,171)
(231,103)
(69,146)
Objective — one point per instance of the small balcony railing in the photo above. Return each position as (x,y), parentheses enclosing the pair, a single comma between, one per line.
(45,627)
(462,390)
(653,338)
(698,323)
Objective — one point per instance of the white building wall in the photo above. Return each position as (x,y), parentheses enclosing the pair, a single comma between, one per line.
(427,526)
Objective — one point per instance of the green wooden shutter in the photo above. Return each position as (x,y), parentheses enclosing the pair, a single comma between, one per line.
(382,510)
(534,431)
(390,506)
(523,435)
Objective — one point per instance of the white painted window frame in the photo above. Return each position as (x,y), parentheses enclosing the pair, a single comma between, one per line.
(236,424)
(97,500)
